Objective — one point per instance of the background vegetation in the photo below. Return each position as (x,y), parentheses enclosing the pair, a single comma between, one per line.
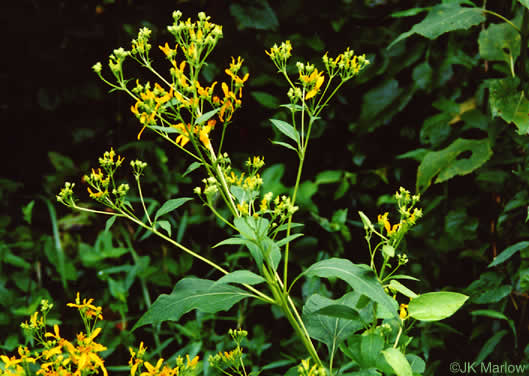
(417,97)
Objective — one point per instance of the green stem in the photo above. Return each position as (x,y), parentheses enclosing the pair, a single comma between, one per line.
(502,18)
(141,199)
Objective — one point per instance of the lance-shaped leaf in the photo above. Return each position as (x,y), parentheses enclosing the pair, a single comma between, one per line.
(171,205)
(360,277)
(328,329)
(450,161)
(192,293)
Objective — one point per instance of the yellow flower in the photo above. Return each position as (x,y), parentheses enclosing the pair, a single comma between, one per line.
(183,138)
(315,80)
(383,219)
(193,362)
(403,311)
(152,370)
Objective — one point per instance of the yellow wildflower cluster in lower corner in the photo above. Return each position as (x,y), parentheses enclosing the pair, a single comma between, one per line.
(161,368)
(59,356)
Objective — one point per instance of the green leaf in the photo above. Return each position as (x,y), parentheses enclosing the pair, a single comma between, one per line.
(366,221)
(329,176)
(409,12)
(27,211)
(499,42)
(490,346)
(397,361)
(189,294)
(285,145)
(110,222)
(254,15)
(164,225)
(508,103)
(242,276)
(287,129)
(288,239)
(492,295)
(445,163)
(266,100)
(360,277)
(192,167)
(206,116)
(525,3)
(402,289)
(508,253)
(435,306)
(171,205)
(330,330)
(444,18)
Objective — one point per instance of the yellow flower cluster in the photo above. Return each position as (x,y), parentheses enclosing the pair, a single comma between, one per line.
(103,182)
(304,369)
(60,357)
(161,368)
(202,131)
(311,79)
(147,107)
(347,64)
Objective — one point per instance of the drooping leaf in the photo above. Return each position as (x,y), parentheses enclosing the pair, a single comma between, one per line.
(360,277)
(435,306)
(189,294)
(330,330)
(492,295)
(445,163)
(444,18)
(397,361)
(171,205)
(507,102)
(508,253)
(165,225)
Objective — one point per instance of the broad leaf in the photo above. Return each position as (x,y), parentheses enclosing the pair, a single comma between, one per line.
(171,205)
(192,293)
(490,346)
(508,103)
(525,3)
(449,162)
(499,42)
(397,361)
(165,225)
(444,18)
(360,277)
(508,253)
(330,330)
(435,306)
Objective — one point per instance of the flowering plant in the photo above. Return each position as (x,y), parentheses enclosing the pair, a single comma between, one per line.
(187,114)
